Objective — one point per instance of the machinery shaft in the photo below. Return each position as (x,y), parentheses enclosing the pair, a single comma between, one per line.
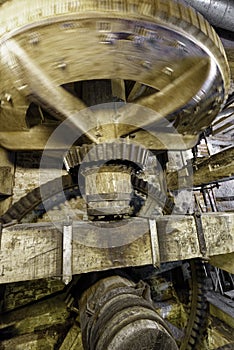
(117,314)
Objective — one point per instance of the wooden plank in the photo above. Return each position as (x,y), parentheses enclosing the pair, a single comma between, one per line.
(220,308)
(35,326)
(73,339)
(218,166)
(223,261)
(32,251)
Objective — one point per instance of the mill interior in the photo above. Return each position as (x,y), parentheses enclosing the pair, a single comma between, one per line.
(116,175)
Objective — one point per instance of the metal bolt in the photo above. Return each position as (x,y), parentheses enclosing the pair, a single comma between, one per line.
(147,64)
(168,70)
(62,65)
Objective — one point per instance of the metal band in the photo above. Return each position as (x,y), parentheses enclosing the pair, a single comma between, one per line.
(67,253)
(154,243)
(200,233)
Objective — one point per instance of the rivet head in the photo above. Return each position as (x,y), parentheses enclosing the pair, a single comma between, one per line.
(168,70)
(61,65)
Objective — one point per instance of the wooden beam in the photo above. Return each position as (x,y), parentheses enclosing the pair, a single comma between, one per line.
(214,168)
(223,261)
(32,251)
(73,339)
(221,309)
(7,169)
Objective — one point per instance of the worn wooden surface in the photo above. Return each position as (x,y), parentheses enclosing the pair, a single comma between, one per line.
(214,168)
(223,261)
(73,339)
(38,325)
(6,179)
(30,252)
(35,251)
(221,308)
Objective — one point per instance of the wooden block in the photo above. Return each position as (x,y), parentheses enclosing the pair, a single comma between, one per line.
(30,252)
(101,246)
(219,233)
(177,238)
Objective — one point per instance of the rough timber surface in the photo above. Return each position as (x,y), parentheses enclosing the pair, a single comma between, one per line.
(34,251)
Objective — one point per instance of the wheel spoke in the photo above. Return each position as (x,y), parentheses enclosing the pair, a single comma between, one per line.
(171,98)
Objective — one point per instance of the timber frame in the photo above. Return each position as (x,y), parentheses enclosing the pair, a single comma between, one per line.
(40,250)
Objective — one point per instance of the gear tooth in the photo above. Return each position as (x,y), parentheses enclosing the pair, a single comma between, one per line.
(31,197)
(101,153)
(81,153)
(194,334)
(37,190)
(71,158)
(117,152)
(14,212)
(196,326)
(146,156)
(109,147)
(76,156)
(109,150)
(67,160)
(79,160)
(137,154)
(192,341)
(120,151)
(125,150)
(26,202)
(142,156)
(96,154)
(122,148)
(104,151)
(132,150)
(114,152)
(88,154)
(7,218)
(140,159)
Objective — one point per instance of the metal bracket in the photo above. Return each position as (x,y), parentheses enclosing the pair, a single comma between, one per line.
(67,252)
(200,233)
(154,243)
